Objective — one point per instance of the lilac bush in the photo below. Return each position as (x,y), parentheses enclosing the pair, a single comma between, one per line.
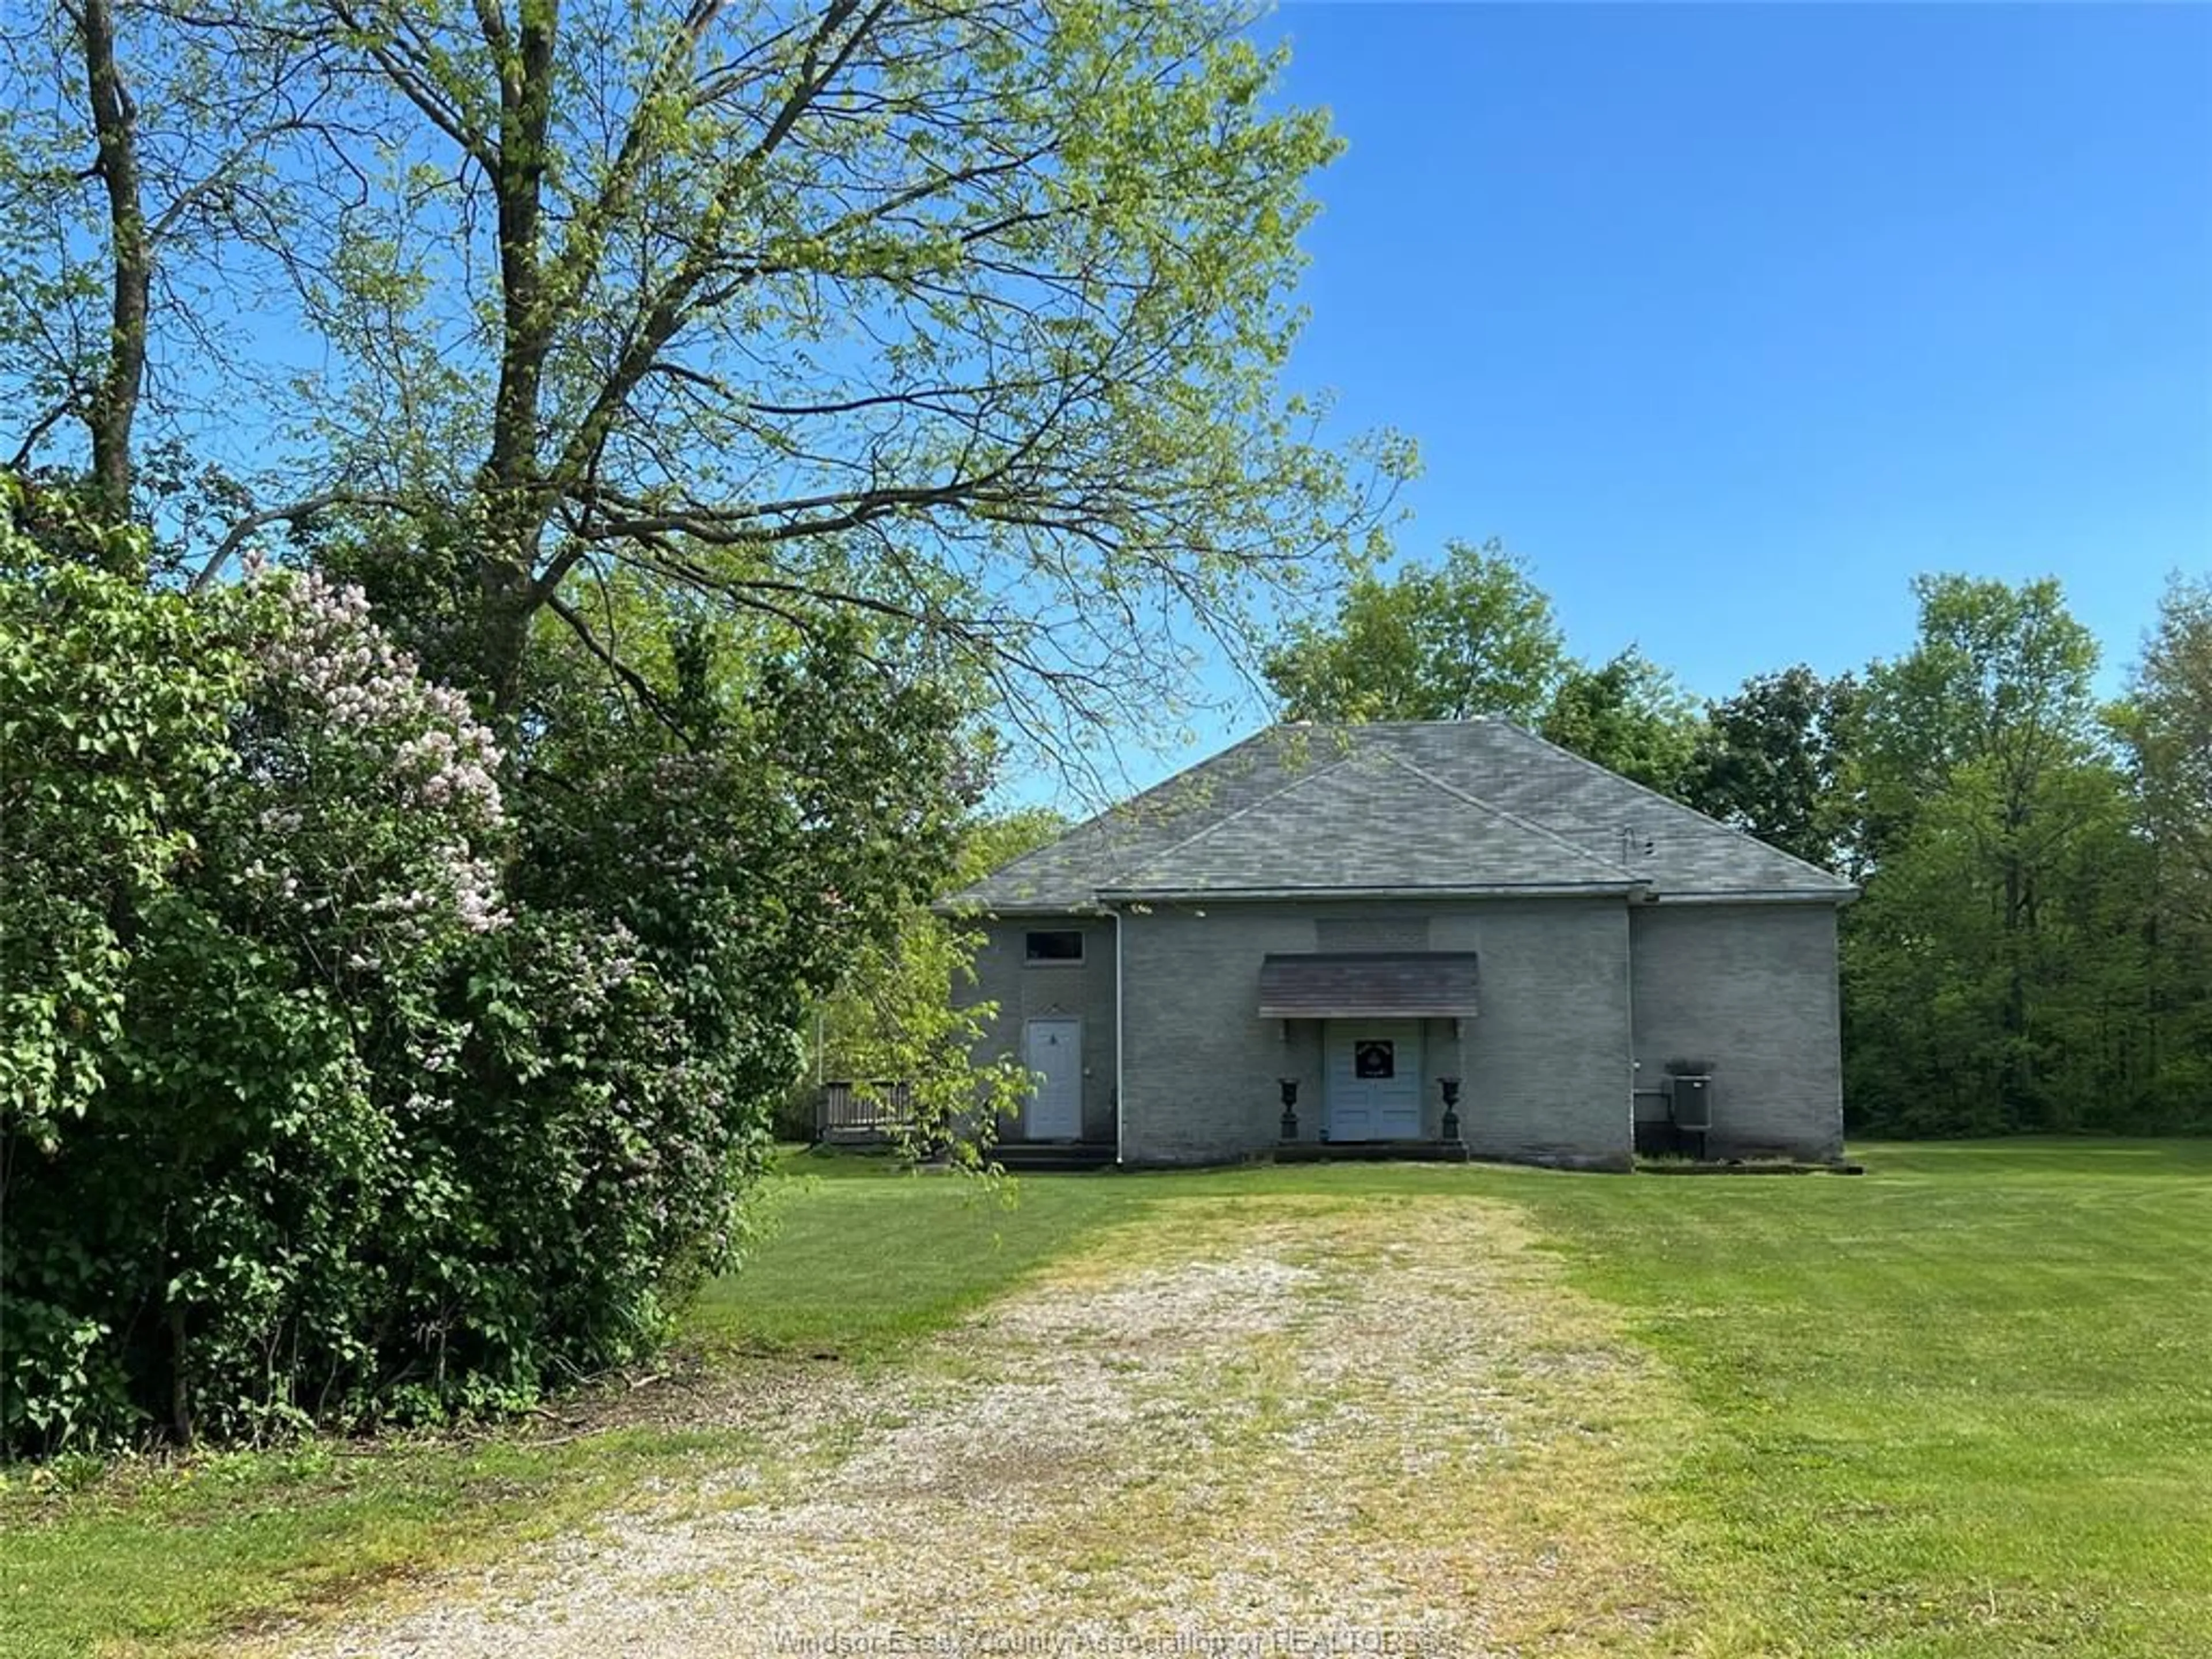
(396,1074)
(374,795)
(277,948)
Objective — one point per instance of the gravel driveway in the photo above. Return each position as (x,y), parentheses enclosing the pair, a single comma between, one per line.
(1276,1426)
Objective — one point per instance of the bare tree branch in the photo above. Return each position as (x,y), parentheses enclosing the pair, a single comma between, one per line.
(649,699)
(38,429)
(291,512)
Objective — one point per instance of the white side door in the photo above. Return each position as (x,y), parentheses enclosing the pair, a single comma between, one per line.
(1052,1049)
(1374,1079)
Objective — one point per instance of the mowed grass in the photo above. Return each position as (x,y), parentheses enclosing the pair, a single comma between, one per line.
(172,1557)
(859,1256)
(1960,1405)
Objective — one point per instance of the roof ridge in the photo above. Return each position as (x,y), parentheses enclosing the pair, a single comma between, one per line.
(1669,801)
(1513,819)
(1226,818)
(1364,726)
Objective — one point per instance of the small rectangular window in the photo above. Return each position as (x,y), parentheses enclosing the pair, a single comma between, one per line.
(1058,946)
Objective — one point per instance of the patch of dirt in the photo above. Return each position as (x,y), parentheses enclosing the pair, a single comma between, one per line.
(1271,1427)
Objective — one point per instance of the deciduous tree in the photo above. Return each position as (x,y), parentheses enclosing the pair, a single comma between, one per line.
(1772,760)
(1629,714)
(1472,636)
(971,314)
(1990,794)
(150,169)
(2168,726)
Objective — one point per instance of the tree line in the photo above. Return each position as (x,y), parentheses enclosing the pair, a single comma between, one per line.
(2032,947)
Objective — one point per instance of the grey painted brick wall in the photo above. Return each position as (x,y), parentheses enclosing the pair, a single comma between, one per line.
(1751,988)
(1571,991)
(1545,1064)
(1547,1061)
(1199,1077)
(1024,991)
(1407,931)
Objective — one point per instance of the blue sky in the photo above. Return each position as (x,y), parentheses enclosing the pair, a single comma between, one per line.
(1732,317)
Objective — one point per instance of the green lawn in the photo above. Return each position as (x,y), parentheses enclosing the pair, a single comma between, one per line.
(860,1257)
(1960,1405)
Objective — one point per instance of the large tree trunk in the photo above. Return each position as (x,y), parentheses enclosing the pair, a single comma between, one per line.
(518,503)
(180,1398)
(507,597)
(114,120)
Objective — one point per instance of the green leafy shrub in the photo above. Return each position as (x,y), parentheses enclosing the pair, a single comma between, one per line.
(112,710)
(762,846)
(342,1082)
(252,843)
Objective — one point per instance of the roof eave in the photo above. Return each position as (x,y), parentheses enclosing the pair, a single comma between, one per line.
(962,908)
(1763,895)
(1480,890)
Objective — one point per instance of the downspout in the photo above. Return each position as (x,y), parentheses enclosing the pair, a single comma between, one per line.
(1628,998)
(1117,1036)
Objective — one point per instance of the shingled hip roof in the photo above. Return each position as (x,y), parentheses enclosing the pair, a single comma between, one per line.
(1465,808)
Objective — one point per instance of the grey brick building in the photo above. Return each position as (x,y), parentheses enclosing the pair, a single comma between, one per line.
(1369,911)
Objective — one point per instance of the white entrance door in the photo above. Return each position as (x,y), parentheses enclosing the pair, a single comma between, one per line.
(1052,1049)
(1374,1079)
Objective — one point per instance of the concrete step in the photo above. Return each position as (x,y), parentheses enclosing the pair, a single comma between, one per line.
(1371,1151)
(1025,1156)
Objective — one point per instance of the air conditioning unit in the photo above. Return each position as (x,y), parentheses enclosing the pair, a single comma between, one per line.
(1690,1103)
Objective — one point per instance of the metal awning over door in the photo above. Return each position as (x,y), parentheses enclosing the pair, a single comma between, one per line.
(1368,985)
